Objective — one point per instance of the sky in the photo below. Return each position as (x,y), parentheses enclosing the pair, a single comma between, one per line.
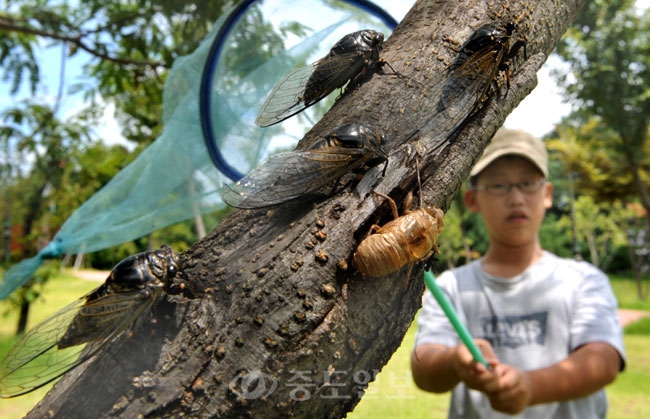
(107,128)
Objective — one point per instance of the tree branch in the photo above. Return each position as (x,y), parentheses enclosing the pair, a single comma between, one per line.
(9,24)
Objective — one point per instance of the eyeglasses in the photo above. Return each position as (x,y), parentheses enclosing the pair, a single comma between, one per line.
(503,189)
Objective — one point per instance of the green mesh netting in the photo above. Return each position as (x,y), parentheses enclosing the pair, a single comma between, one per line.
(174,178)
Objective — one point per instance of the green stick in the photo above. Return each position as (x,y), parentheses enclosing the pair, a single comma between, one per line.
(460,328)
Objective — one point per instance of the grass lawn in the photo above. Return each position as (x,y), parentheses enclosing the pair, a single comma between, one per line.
(58,292)
(393,394)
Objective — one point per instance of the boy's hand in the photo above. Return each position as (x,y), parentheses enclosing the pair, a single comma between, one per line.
(513,393)
(474,374)
(507,387)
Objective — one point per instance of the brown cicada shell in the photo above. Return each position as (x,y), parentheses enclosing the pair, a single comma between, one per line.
(407,239)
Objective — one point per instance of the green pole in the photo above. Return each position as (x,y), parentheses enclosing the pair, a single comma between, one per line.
(460,328)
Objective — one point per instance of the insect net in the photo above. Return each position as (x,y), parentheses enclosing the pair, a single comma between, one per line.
(210,101)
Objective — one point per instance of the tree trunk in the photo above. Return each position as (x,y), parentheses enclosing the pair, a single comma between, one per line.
(632,160)
(22,318)
(283,324)
(635,262)
(593,247)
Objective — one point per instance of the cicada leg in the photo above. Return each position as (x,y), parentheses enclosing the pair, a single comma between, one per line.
(393,205)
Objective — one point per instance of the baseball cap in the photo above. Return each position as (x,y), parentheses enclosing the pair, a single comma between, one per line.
(513,142)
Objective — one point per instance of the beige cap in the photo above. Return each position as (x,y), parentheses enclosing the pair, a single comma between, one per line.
(513,142)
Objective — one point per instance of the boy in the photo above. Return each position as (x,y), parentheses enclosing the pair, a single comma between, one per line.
(547,326)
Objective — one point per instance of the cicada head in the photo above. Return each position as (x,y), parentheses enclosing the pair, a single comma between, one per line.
(422,232)
(148,269)
(488,36)
(438,215)
(355,135)
(359,42)
(372,39)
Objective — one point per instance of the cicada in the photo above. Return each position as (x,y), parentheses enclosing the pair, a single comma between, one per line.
(75,333)
(290,175)
(482,56)
(467,85)
(405,240)
(354,59)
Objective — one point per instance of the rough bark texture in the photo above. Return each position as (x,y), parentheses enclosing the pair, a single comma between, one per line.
(277,297)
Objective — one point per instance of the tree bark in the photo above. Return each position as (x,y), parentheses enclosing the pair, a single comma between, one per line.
(282,324)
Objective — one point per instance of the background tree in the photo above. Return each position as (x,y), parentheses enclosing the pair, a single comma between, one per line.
(605,139)
(608,81)
(599,228)
(45,144)
(458,246)
(275,303)
(592,152)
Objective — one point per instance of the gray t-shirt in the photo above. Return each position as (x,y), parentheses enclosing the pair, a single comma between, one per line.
(532,321)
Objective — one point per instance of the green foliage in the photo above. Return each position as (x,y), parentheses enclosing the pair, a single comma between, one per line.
(592,152)
(452,237)
(555,237)
(17,59)
(599,227)
(607,51)
(608,80)
(43,144)
(82,176)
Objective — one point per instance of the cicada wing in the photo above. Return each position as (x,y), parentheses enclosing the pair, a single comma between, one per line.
(470,80)
(285,100)
(34,359)
(306,86)
(40,356)
(286,176)
(460,95)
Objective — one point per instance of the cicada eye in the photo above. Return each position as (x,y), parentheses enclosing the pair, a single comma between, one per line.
(372,37)
(376,37)
(172,270)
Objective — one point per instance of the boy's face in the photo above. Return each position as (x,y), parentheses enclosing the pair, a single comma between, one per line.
(512,218)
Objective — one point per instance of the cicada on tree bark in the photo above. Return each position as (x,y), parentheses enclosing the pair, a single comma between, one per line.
(293,174)
(354,59)
(467,85)
(77,332)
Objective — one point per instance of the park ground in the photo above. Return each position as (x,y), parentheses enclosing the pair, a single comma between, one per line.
(393,393)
